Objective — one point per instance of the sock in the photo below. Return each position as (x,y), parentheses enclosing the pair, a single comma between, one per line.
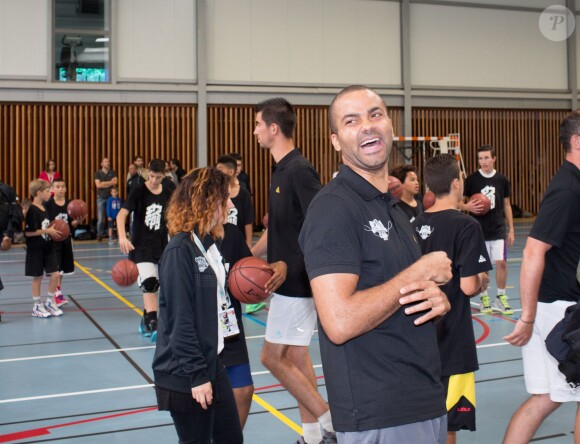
(311,432)
(484,293)
(500,291)
(49,297)
(326,422)
(36,299)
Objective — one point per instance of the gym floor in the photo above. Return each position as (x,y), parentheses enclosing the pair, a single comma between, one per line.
(86,377)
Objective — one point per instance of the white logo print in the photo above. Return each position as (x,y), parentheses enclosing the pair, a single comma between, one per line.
(44,226)
(481,259)
(153,216)
(425,231)
(233,216)
(378,229)
(489,192)
(201,263)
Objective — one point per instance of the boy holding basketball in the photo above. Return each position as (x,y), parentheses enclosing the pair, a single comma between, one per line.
(497,188)
(147,202)
(40,256)
(57,208)
(444,228)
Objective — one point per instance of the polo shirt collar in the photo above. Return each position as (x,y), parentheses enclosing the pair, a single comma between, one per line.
(286,159)
(569,166)
(362,187)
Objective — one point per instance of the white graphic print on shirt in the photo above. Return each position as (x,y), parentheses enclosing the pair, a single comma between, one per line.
(153,216)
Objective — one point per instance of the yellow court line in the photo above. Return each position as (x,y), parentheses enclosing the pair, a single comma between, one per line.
(109,289)
(278,415)
(283,418)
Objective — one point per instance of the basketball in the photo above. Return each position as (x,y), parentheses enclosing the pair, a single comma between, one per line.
(265,221)
(125,273)
(484,200)
(6,244)
(395,187)
(77,209)
(62,227)
(247,280)
(428,199)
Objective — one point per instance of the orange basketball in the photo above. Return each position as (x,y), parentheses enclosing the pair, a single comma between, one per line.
(125,273)
(247,280)
(5,244)
(428,199)
(62,227)
(484,200)
(77,209)
(395,187)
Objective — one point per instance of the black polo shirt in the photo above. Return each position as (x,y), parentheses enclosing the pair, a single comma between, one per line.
(558,224)
(390,375)
(294,184)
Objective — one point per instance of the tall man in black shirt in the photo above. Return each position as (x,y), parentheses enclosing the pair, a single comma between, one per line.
(375,295)
(292,315)
(548,286)
(105,180)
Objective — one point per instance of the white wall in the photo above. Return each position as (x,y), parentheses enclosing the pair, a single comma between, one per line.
(304,41)
(155,40)
(475,47)
(517,3)
(24,49)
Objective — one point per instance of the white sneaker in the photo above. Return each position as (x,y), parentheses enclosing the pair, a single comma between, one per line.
(39,311)
(52,308)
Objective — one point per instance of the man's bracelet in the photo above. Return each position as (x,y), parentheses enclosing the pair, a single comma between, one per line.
(527,322)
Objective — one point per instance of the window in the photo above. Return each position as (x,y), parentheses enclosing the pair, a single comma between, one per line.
(81,41)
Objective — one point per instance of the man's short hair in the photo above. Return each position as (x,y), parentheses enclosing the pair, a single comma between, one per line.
(60,179)
(156,166)
(569,127)
(137,157)
(331,111)
(401,171)
(279,111)
(486,148)
(440,171)
(37,185)
(228,161)
(236,156)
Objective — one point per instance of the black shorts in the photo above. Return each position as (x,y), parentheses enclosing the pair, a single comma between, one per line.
(460,400)
(40,261)
(64,256)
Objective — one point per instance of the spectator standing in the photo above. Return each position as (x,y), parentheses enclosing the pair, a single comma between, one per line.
(49,173)
(105,180)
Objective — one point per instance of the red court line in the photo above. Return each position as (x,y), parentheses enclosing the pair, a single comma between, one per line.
(266,387)
(46,430)
(485,327)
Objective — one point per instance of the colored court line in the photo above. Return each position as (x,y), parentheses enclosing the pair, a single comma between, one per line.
(43,431)
(283,418)
(109,289)
(485,333)
(252,318)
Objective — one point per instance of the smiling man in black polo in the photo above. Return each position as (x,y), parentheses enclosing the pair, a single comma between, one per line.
(375,295)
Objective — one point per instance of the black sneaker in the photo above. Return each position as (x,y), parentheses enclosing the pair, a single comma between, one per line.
(145,327)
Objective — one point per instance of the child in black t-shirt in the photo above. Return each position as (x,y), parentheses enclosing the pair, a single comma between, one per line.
(40,256)
(444,228)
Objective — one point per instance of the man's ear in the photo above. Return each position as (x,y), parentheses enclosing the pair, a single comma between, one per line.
(335,142)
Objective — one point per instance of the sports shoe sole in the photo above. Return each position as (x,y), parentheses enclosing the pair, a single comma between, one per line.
(143,332)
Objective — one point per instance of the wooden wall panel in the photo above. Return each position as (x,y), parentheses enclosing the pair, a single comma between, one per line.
(526,142)
(230,129)
(77,136)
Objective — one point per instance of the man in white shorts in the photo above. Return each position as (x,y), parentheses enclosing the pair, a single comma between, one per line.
(292,315)
(548,286)
(497,188)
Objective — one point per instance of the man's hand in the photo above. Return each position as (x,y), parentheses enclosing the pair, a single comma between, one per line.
(510,238)
(484,277)
(203,394)
(474,206)
(125,245)
(437,267)
(429,297)
(280,269)
(521,334)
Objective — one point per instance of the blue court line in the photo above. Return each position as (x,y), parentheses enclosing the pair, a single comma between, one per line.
(252,318)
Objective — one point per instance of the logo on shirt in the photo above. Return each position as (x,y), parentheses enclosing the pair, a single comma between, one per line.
(233,216)
(481,259)
(62,216)
(489,192)
(153,216)
(201,263)
(378,229)
(44,226)
(425,231)
(278,190)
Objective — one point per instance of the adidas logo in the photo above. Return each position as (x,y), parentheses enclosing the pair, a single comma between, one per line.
(481,259)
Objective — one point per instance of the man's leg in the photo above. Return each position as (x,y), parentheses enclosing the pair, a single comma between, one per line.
(501,273)
(101,209)
(528,418)
(243,397)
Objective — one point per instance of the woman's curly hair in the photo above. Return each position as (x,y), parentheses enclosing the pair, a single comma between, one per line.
(195,201)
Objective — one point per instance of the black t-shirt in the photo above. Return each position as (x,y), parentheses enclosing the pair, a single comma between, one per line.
(462,239)
(411,212)
(242,214)
(134,181)
(149,225)
(390,375)
(244,181)
(558,224)
(233,248)
(294,183)
(496,188)
(37,219)
(104,193)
